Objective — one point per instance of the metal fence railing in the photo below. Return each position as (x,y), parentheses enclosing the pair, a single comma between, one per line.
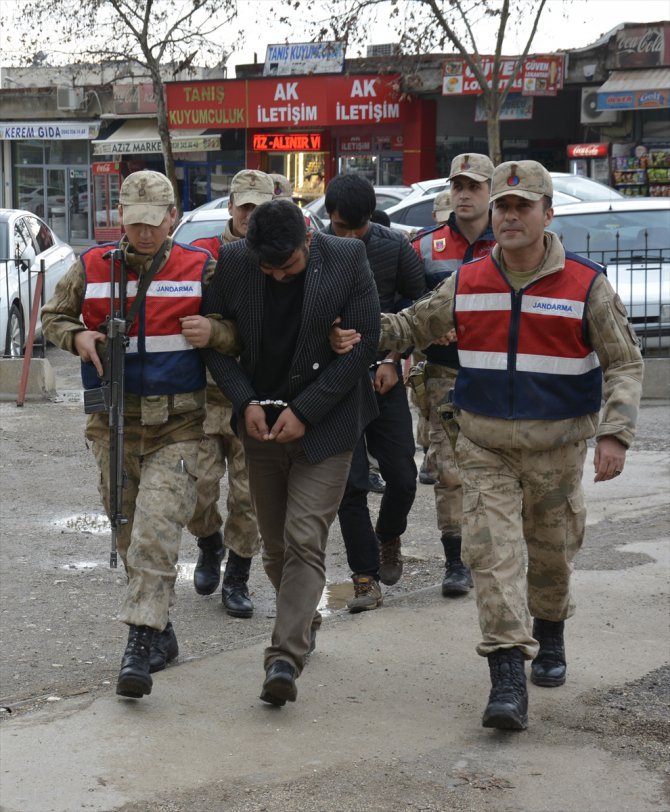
(641,277)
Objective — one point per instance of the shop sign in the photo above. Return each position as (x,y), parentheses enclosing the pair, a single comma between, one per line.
(106,168)
(287,142)
(130,98)
(355,144)
(643,46)
(588,150)
(515,108)
(52,130)
(315,101)
(539,75)
(304,58)
(204,105)
(634,100)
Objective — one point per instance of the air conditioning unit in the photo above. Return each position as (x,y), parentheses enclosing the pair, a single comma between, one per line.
(389,49)
(590,113)
(70,98)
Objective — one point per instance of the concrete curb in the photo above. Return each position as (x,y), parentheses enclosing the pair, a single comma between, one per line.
(41,379)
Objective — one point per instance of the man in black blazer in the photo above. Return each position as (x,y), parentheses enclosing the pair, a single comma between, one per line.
(300,407)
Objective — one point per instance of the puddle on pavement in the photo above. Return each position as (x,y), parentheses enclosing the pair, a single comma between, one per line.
(85,523)
(80,565)
(335,596)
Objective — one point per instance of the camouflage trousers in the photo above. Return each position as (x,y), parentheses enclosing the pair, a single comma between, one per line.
(441,459)
(221,449)
(158,500)
(523,524)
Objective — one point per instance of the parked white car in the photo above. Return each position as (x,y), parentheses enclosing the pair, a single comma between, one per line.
(631,237)
(25,241)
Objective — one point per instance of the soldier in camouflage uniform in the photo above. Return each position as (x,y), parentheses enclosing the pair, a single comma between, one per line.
(537,330)
(164,405)
(221,448)
(462,233)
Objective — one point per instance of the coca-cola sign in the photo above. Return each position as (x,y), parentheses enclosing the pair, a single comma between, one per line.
(642,46)
(588,150)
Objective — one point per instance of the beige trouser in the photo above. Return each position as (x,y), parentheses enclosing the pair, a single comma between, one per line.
(296,503)
(219,449)
(520,504)
(158,500)
(441,459)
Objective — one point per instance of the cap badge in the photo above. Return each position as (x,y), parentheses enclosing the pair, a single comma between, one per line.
(277,188)
(465,163)
(513,180)
(141,191)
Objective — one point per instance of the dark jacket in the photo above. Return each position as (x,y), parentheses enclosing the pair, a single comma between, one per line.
(332,393)
(397,270)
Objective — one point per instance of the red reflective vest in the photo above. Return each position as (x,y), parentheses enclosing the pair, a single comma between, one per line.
(526,354)
(159,360)
(443,250)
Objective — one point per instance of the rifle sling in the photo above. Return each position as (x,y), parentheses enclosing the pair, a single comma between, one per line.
(143,286)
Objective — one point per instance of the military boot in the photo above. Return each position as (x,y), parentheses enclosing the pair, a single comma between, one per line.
(508,701)
(548,668)
(134,677)
(457,579)
(207,572)
(234,594)
(164,649)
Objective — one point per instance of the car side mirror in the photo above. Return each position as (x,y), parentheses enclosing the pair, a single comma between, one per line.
(26,258)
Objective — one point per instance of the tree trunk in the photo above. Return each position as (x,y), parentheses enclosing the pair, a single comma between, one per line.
(492,105)
(164,134)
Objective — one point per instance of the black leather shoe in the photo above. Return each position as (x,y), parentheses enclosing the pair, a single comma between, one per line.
(457,580)
(164,648)
(548,669)
(134,678)
(207,572)
(279,686)
(234,592)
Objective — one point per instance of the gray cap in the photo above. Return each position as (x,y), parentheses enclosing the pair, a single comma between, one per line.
(145,197)
(251,186)
(527,179)
(442,207)
(283,186)
(472,165)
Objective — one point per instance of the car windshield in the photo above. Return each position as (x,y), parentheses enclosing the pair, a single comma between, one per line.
(199,229)
(602,235)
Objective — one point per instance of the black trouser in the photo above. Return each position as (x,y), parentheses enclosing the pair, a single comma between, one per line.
(390,439)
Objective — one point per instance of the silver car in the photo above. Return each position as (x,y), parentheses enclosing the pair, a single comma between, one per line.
(631,237)
(26,241)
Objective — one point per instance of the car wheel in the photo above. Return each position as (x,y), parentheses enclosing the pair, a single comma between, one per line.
(15,337)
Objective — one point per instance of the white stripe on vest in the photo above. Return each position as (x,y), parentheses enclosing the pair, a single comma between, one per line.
(525,362)
(483,301)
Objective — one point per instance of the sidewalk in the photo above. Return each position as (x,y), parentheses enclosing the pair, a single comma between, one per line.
(388,711)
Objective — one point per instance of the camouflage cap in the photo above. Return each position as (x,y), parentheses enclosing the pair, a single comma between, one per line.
(442,207)
(472,165)
(527,179)
(145,197)
(251,186)
(283,186)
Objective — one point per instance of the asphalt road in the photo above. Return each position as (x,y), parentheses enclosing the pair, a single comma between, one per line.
(389,708)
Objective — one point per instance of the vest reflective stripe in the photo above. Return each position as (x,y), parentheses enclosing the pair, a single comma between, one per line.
(525,355)
(159,360)
(167,344)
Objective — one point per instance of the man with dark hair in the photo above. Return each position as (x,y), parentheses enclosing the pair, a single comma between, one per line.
(537,329)
(300,408)
(375,555)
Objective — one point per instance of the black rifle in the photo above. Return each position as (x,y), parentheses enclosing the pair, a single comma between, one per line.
(110,396)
